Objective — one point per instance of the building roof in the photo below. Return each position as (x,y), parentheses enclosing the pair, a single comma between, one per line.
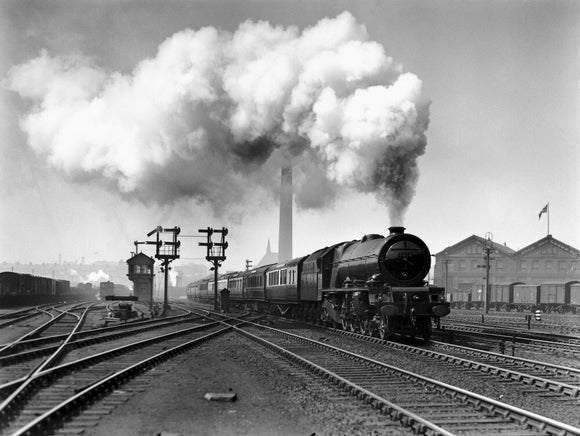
(141,259)
(504,249)
(507,251)
(549,240)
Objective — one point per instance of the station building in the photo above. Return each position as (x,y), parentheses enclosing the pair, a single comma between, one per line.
(462,267)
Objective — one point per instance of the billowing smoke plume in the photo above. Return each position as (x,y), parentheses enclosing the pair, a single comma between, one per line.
(212,115)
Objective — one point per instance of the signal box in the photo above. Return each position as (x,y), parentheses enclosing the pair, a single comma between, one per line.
(141,274)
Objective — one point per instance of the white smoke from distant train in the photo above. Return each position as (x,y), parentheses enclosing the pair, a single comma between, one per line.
(211,115)
(93,277)
(173,277)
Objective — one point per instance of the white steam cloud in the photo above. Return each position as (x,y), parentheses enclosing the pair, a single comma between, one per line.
(93,277)
(213,113)
(173,277)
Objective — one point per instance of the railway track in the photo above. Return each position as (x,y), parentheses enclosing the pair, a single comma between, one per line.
(62,322)
(540,383)
(48,396)
(424,404)
(548,333)
(42,344)
(517,320)
(28,354)
(555,378)
(54,396)
(10,318)
(547,377)
(553,344)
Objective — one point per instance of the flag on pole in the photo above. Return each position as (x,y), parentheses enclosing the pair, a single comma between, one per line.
(544,210)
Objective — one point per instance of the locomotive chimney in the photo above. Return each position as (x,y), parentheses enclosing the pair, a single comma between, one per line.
(396,230)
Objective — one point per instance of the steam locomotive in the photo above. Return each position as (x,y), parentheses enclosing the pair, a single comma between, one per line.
(374,286)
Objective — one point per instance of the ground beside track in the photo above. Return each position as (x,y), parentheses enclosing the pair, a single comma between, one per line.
(269,401)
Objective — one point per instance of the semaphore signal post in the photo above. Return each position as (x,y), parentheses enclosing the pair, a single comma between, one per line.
(167,252)
(216,253)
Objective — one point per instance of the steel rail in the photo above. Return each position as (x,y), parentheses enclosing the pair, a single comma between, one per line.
(10,318)
(521,333)
(558,369)
(16,313)
(95,336)
(529,379)
(9,387)
(406,417)
(97,331)
(565,347)
(532,380)
(51,418)
(524,417)
(41,328)
(28,379)
(514,322)
(23,387)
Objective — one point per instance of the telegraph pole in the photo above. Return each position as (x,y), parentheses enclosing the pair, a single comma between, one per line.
(216,253)
(488,249)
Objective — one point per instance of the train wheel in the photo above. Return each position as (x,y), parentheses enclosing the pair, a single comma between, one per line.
(352,325)
(324,317)
(385,328)
(365,326)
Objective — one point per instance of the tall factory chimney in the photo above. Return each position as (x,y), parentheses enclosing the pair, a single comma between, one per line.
(285,230)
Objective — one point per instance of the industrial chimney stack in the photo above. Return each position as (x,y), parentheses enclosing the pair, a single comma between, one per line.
(285,230)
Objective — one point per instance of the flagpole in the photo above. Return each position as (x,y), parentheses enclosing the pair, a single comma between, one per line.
(548,218)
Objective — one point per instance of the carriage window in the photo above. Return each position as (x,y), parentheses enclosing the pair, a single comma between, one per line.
(283,277)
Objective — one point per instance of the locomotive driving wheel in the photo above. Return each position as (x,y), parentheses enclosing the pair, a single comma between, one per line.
(352,325)
(364,326)
(385,328)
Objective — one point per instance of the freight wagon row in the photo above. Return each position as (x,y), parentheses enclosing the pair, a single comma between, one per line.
(27,289)
(561,297)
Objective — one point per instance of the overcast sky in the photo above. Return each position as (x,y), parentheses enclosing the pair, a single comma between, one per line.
(118,116)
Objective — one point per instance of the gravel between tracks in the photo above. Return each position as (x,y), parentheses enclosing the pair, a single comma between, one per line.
(273,398)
